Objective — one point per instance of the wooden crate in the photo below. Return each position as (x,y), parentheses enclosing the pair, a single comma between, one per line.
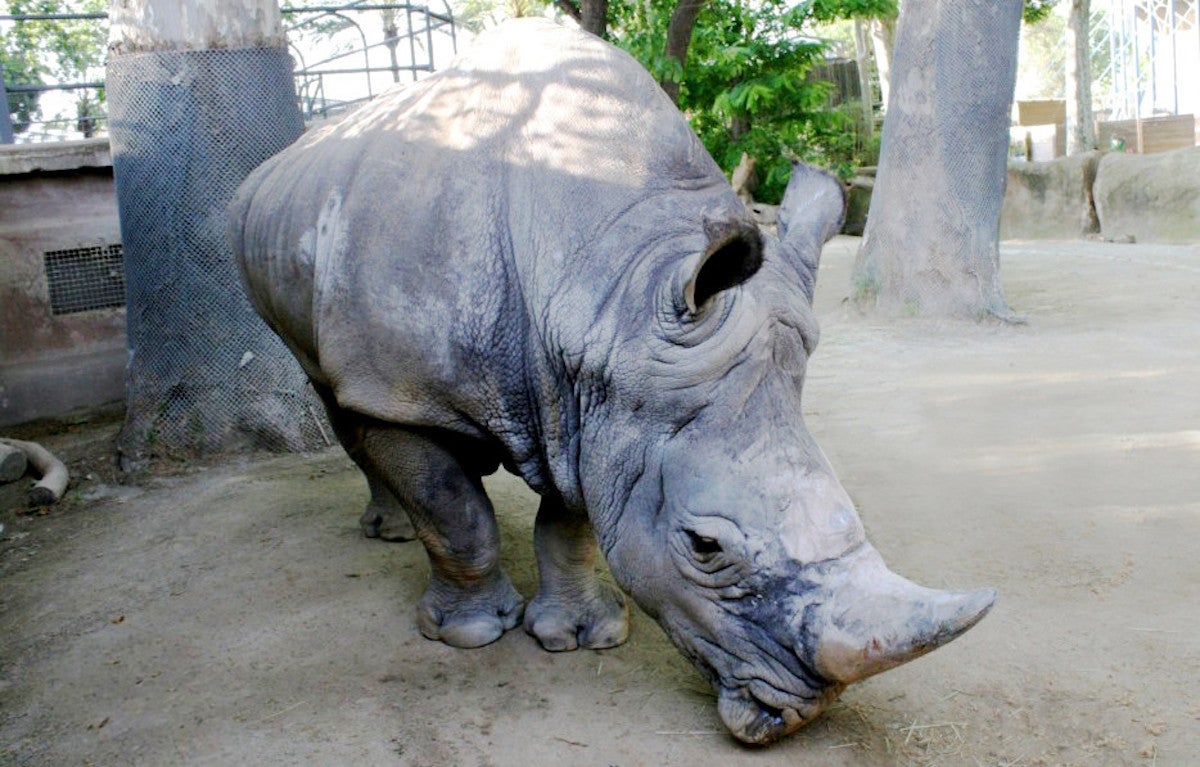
(1162,134)
(1042,112)
(1151,134)
(1109,130)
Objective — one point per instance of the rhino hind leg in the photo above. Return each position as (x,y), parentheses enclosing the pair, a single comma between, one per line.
(384,517)
(470,602)
(573,607)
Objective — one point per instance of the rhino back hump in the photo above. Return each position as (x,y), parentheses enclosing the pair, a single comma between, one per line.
(423,249)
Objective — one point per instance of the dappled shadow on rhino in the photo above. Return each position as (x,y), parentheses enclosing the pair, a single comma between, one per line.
(530,260)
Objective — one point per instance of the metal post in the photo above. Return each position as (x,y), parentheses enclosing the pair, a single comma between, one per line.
(412,44)
(428,39)
(6,131)
(1137,70)
(1152,13)
(1174,59)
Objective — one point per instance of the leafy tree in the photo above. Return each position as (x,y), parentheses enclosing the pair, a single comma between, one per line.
(744,79)
(20,67)
(38,52)
(1037,10)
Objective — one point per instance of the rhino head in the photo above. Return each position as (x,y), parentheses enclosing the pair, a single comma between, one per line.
(728,525)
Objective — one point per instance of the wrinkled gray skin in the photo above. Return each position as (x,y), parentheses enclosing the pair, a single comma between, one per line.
(530,260)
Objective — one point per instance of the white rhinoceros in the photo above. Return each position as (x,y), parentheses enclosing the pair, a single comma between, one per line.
(529,259)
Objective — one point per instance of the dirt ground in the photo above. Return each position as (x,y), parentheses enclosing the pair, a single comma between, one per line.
(230,613)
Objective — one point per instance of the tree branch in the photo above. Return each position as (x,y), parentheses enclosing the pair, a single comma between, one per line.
(679,37)
(571,8)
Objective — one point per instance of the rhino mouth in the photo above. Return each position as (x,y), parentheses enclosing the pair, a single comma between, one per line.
(759,712)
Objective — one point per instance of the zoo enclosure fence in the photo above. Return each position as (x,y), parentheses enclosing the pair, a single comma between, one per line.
(343,54)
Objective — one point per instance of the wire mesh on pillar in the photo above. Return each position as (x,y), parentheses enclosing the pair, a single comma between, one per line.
(204,372)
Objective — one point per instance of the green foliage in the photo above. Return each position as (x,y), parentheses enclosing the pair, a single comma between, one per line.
(20,67)
(477,15)
(56,51)
(1038,10)
(746,85)
(832,10)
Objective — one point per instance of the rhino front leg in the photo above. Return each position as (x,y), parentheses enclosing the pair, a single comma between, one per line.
(470,601)
(384,517)
(573,607)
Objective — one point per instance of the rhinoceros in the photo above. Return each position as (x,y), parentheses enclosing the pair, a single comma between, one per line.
(529,260)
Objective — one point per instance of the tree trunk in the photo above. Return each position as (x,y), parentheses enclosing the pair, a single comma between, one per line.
(679,37)
(883,36)
(594,17)
(930,245)
(1081,130)
(866,96)
(200,93)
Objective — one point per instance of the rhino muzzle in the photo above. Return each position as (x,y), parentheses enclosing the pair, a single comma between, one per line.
(854,619)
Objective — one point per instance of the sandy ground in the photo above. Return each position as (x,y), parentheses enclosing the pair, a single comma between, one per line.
(231,613)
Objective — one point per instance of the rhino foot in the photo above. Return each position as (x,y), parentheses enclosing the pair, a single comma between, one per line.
(386,522)
(594,620)
(469,616)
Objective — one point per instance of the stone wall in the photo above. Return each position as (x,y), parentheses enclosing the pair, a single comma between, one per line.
(58,224)
(1112,195)
(1149,198)
(1050,200)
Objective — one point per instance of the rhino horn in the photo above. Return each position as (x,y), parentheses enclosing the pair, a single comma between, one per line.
(875,619)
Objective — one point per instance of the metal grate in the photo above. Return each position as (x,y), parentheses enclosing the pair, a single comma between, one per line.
(83,279)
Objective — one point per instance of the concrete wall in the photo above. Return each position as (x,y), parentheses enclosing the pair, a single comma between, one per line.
(55,197)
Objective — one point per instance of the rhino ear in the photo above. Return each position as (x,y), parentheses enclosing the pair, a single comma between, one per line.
(733,255)
(814,204)
(812,212)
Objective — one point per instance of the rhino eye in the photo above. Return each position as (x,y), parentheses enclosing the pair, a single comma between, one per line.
(703,546)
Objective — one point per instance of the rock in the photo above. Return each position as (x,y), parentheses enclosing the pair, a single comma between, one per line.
(1149,198)
(744,181)
(1050,200)
(763,214)
(858,203)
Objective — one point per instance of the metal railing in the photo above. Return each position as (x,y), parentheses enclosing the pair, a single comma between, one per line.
(350,56)
(344,54)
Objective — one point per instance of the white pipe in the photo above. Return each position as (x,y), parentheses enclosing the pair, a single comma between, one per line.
(53,483)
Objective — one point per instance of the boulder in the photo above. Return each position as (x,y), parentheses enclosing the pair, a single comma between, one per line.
(1050,200)
(1149,198)
(858,204)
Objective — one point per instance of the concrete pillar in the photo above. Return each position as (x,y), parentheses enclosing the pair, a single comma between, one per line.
(141,26)
(200,92)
